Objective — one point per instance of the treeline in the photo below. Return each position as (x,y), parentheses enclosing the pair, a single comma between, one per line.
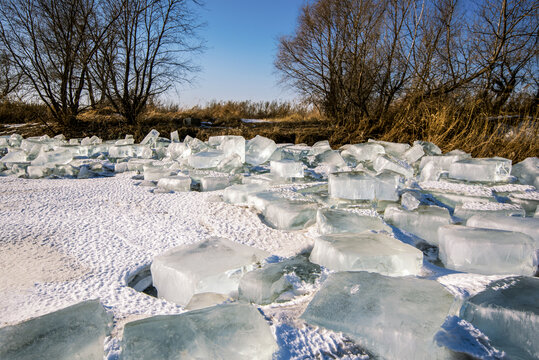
(371,61)
(75,54)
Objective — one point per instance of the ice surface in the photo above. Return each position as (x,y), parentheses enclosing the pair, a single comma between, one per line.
(422,222)
(334,221)
(410,200)
(264,286)
(485,170)
(395,318)
(508,313)
(528,226)
(175,183)
(443,162)
(286,168)
(206,159)
(212,183)
(486,251)
(384,162)
(258,150)
(151,138)
(367,251)
(362,152)
(260,200)
(527,171)
(76,332)
(469,209)
(391,148)
(213,265)
(413,154)
(360,185)
(237,194)
(63,156)
(290,214)
(231,331)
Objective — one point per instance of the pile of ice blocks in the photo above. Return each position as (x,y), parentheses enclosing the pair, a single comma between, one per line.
(377,212)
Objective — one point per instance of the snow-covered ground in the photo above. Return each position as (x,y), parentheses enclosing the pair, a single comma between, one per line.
(63,241)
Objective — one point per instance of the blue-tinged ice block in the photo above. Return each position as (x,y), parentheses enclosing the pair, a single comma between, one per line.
(335,221)
(481,170)
(258,150)
(287,214)
(528,226)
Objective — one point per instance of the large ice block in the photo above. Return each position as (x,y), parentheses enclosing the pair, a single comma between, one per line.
(237,194)
(39,171)
(175,183)
(486,251)
(258,150)
(428,147)
(122,151)
(76,332)
(482,170)
(151,138)
(320,147)
(367,251)
(213,265)
(212,182)
(527,171)
(335,221)
(469,209)
(528,226)
(395,318)
(62,156)
(360,185)
(14,156)
(443,162)
(392,148)
(413,154)
(422,222)
(206,159)
(264,286)
(508,313)
(384,162)
(290,214)
(286,168)
(231,331)
(362,152)
(178,150)
(231,144)
(331,158)
(153,173)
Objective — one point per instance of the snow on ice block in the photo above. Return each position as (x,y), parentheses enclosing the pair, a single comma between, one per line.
(362,152)
(527,171)
(175,183)
(528,226)
(76,332)
(486,251)
(290,214)
(360,185)
(422,222)
(205,159)
(335,221)
(259,149)
(213,265)
(62,156)
(384,162)
(508,313)
(367,251)
(212,183)
(482,170)
(237,194)
(260,200)
(286,168)
(395,318)
(231,331)
(264,286)
(469,209)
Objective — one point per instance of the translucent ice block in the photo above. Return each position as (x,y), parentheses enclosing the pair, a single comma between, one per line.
(205,159)
(290,214)
(410,200)
(212,183)
(258,150)
(443,162)
(331,158)
(508,313)
(38,171)
(428,147)
(231,331)
(486,251)
(527,171)
(174,137)
(154,173)
(334,221)
(178,150)
(469,209)
(392,148)
(359,185)
(362,152)
(175,183)
(214,265)
(319,147)
(286,168)
(384,162)
(231,144)
(395,318)
(413,154)
(237,194)
(62,156)
(122,151)
(151,138)
(528,226)
(76,332)
(15,156)
(422,222)
(367,251)
(260,200)
(486,170)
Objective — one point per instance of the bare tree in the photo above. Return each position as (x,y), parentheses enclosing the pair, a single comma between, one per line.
(10,77)
(146,51)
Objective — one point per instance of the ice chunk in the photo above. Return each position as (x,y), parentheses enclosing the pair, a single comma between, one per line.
(260,200)
(442,162)
(319,147)
(174,137)
(258,150)
(410,200)
(428,147)
(76,332)
(206,159)
(486,251)
(413,154)
(391,148)
(231,144)
(469,209)
(264,286)
(62,156)
(528,226)
(333,221)
(367,252)
(290,214)
(384,162)
(431,172)
(331,158)
(360,185)
(178,150)
(15,156)
(214,265)
(527,171)
(422,222)
(195,144)
(212,183)
(151,138)
(232,331)
(395,318)
(286,169)
(237,194)
(486,170)
(38,171)
(122,151)
(508,313)
(155,172)
(175,183)
(363,152)
(295,152)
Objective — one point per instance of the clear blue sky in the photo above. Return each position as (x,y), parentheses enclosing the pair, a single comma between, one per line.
(241,42)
